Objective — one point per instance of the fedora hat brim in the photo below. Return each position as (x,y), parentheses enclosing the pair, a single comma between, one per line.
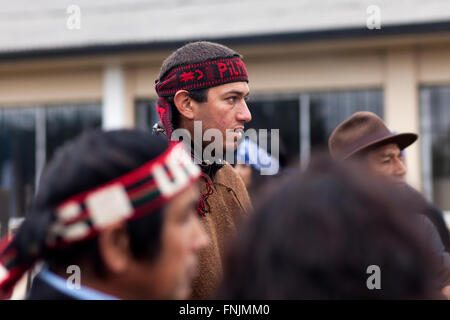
(403,140)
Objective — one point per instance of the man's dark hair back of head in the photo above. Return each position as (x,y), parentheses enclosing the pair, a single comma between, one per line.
(315,235)
(190,53)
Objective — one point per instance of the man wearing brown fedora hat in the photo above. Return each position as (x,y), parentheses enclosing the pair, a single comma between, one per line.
(364,135)
(365,138)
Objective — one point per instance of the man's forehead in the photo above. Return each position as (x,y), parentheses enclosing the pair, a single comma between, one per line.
(387,150)
(237,87)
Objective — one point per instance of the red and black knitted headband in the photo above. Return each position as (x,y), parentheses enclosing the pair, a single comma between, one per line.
(201,75)
(84,215)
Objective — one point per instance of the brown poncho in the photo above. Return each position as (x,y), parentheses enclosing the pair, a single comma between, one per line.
(227,205)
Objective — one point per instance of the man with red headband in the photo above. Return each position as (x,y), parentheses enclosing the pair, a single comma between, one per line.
(114,218)
(206,83)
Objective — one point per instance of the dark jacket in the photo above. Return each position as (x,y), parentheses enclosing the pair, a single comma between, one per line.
(435,216)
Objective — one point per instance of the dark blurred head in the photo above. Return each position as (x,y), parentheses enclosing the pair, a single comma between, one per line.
(316,234)
(150,257)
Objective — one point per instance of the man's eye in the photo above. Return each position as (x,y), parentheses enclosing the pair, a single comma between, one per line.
(231,99)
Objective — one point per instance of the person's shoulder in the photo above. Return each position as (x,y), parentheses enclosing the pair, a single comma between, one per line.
(228,175)
(230,178)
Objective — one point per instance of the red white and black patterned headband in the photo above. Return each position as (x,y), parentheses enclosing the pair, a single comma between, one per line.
(202,75)
(128,197)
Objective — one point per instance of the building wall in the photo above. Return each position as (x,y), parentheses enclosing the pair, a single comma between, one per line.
(399,65)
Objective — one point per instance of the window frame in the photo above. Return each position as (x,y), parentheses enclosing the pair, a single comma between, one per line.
(426,144)
(39,112)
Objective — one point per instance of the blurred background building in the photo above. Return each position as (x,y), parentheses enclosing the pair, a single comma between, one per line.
(68,66)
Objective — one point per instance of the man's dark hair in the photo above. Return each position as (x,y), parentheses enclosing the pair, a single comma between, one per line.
(190,53)
(91,160)
(317,233)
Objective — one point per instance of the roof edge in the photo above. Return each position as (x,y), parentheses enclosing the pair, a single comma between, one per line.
(312,35)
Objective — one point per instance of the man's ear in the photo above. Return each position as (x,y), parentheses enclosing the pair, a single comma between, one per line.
(114,248)
(184,104)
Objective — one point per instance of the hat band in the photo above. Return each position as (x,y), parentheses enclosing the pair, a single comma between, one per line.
(365,142)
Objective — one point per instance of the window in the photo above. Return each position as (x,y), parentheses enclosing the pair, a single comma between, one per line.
(146,115)
(17,158)
(29,137)
(278,113)
(306,120)
(435,137)
(66,122)
(329,109)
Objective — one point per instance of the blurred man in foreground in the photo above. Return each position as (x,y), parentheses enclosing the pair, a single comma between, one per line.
(365,139)
(332,233)
(110,222)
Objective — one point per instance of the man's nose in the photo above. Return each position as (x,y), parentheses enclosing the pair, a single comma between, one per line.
(244,113)
(400,169)
(201,239)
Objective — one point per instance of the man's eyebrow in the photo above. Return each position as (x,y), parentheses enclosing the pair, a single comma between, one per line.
(239,93)
(386,155)
(390,154)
